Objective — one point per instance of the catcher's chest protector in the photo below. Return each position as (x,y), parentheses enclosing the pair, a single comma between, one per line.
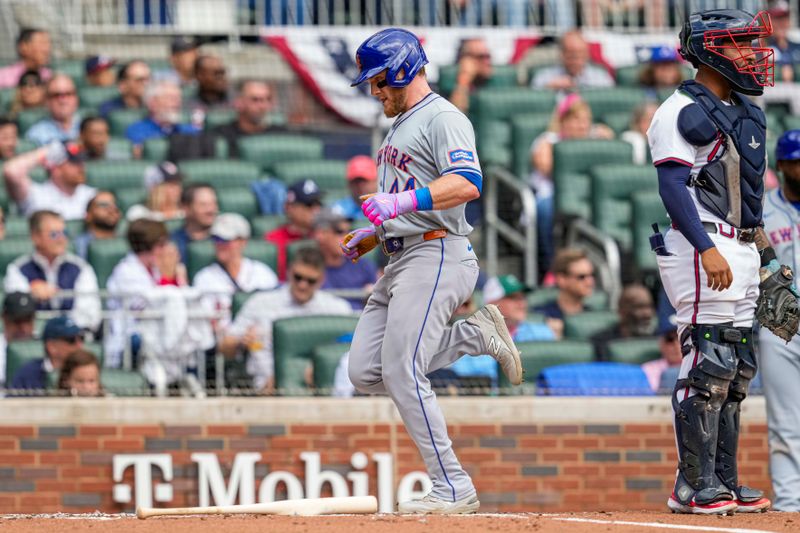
(737,199)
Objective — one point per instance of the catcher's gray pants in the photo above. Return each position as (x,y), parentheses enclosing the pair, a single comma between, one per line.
(780,375)
(403,334)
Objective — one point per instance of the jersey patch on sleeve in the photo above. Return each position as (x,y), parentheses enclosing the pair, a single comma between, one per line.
(461,155)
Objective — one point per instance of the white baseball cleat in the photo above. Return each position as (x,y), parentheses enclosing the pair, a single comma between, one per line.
(431,504)
(498,340)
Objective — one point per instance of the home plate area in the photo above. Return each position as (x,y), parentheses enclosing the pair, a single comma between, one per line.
(629,521)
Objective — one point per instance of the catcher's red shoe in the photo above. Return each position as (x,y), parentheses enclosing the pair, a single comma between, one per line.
(721,507)
(761,505)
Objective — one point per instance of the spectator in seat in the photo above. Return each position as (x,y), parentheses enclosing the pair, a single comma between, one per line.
(574,276)
(572,119)
(212,83)
(100,71)
(474,71)
(183,56)
(163,100)
(575,72)
(340,273)
(164,185)
(663,71)
(61,337)
(64,121)
(65,192)
(8,139)
(33,49)
(636,134)
(787,52)
(80,375)
(636,319)
(102,219)
(303,202)
(50,269)
(670,347)
(153,261)
(508,294)
(251,330)
(199,201)
(31,93)
(19,310)
(362,179)
(94,138)
(253,104)
(132,81)
(231,272)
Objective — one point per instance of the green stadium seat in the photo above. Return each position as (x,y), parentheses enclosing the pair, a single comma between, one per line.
(130,196)
(495,143)
(5,201)
(263,224)
(572,162)
(647,209)
(74,68)
(237,200)
(524,130)
(598,301)
(790,122)
(12,248)
(115,175)
(24,145)
(505,103)
(91,96)
(38,174)
(16,226)
(269,150)
(119,148)
(219,117)
(74,227)
(502,76)
(220,173)
(772,142)
(239,299)
(628,76)
(634,351)
(325,359)
(619,121)
(173,224)
(612,187)
(294,340)
(104,255)
(7,97)
(28,118)
(120,119)
(118,382)
(583,326)
(201,254)
(292,248)
(538,355)
(613,99)
(325,173)
(155,149)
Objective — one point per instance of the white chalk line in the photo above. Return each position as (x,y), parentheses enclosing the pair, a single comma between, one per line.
(663,526)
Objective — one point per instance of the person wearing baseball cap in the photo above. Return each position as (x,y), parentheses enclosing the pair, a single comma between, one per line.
(61,337)
(362,179)
(663,71)
(19,310)
(303,202)
(508,293)
(65,192)
(100,71)
(231,272)
(183,55)
(787,52)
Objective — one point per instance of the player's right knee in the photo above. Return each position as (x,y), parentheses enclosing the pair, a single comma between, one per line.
(363,380)
(717,362)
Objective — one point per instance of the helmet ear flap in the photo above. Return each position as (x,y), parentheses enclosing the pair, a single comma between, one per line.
(685,49)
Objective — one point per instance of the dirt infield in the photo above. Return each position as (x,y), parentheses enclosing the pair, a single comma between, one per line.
(627,522)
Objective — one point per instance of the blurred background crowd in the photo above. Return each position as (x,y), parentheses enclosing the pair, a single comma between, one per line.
(172,202)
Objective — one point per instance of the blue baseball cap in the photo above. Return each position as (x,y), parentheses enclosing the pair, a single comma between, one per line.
(61,327)
(304,192)
(663,54)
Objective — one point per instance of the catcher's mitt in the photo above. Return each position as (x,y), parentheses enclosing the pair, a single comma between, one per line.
(776,307)
(364,241)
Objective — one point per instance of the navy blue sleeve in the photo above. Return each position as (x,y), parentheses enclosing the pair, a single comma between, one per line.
(672,179)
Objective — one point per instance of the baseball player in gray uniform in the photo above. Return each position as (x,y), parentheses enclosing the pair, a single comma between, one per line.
(779,361)
(428,169)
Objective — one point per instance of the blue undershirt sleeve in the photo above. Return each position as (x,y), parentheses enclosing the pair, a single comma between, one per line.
(672,178)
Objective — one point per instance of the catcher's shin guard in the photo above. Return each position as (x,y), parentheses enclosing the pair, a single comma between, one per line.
(697,417)
(749,500)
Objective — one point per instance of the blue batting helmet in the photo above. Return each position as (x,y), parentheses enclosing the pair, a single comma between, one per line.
(788,147)
(708,37)
(392,50)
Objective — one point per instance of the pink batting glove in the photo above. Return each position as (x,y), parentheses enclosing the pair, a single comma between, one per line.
(349,244)
(383,206)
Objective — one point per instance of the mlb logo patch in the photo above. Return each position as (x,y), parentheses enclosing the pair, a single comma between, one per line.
(461,155)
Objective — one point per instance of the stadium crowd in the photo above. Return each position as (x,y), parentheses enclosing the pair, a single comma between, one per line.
(142,206)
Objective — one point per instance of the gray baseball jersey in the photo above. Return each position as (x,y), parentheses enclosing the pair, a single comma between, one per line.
(780,364)
(429,140)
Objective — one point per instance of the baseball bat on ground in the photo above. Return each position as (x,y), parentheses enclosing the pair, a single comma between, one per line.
(304,507)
